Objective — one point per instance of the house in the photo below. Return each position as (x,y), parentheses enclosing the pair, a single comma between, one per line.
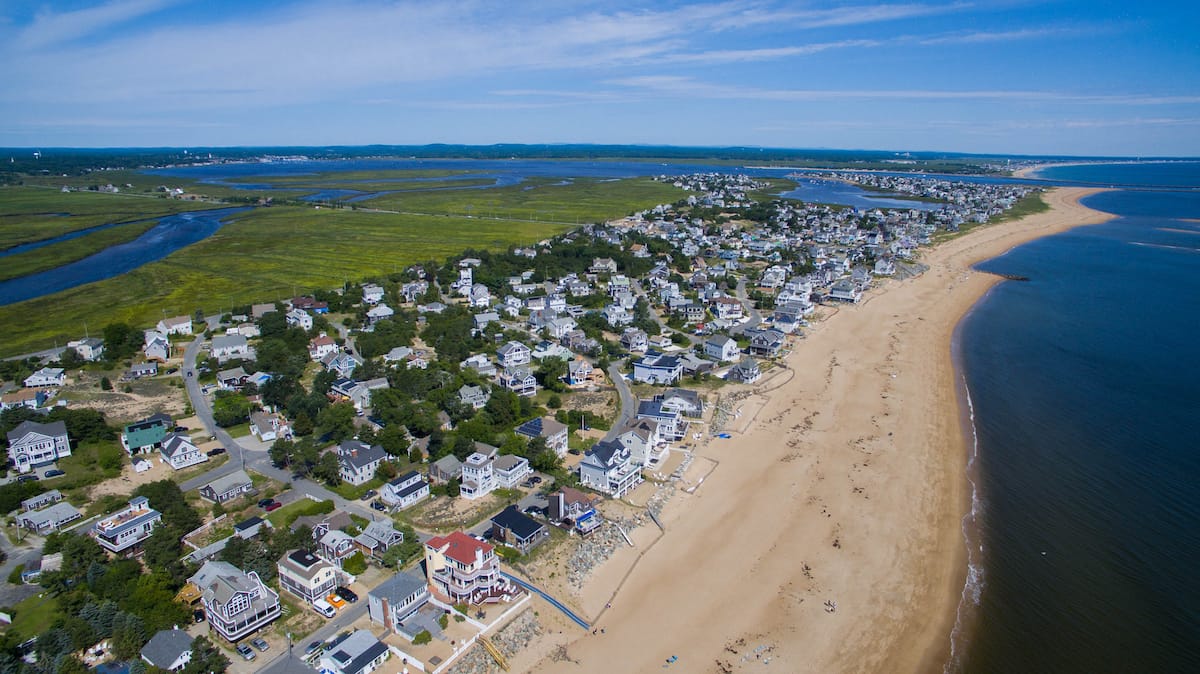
(31,398)
(232,379)
(47,376)
(225,347)
(617,315)
(236,603)
(655,368)
(227,488)
(482,320)
(48,519)
(178,452)
(377,537)
(397,354)
(510,470)
(335,545)
(603,265)
(372,293)
(170,650)
(671,427)
(607,467)
(300,318)
(404,491)
(41,500)
(310,304)
(513,354)
(31,444)
(392,602)
(684,401)
(379,312)
(579,372)
(766,343)
(307,576)
(359,653)
(250,527)
(721,347)
(245,329)
(884,267)
(463,570)
(139,370)
(475,396)
(478,476)
(745,372)
(358,461)
(146,435)
(481,364)
(554,431)
(573,508)
(728,309)
(445,469)
(124,530)
(157,347)
(321,346)
(517,530)
(519,380)
(845,291)
(341,364)
(557,327)
(646,444)
(269,427)
(634,340)
(178,325)
(90,349)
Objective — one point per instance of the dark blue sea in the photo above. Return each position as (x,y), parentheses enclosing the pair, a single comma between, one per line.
(1085,387)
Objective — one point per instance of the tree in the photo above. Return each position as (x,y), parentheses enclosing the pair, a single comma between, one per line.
(453,488)
(282,452)
(230,409)
(206,658)
(328,469)
(303,425)
(337,421)
(554,402)
(355,564)
(415,455)
(105,384)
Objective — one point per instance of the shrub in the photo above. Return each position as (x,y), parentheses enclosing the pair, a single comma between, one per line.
(423,637)
(15,576)
(105,384)
(444,621)
(355,564)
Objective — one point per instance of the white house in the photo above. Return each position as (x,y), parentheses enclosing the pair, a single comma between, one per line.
(47,376)
(475,396)
(90,349)
(404,491)
(510,470)
(655,368)
(549,428)
(178,452)
(300,318)
(157,346)
(372,294)
(513,354)
(321,346)
(225,347)
(519,380)
(358,461)
(169,650)
(608,467)
(358,653)
(31,444)
(179,325)
(379,312)
(478,476)
(721,347)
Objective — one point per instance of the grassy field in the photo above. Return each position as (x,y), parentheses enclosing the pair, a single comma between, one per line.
(542,199)
(30,214)
(32,616)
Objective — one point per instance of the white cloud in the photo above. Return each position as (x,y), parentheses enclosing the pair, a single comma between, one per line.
(50,28)
(764,54)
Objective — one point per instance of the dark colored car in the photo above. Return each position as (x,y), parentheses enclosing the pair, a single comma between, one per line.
(313,647)
(369,494)
(273,506)
(27,478)
(198,616)
(263,503)
(181,429)
(216,451)
(536,479)
(347,594)
(54,472)
(378,506)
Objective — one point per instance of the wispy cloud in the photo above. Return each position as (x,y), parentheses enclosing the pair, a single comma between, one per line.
(765,54)
(838,16)
(980,37)
(50,28)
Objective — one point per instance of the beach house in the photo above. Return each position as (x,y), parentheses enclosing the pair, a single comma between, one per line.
(125,530)
(225,489)
(655,368)
(358,461)
(608,467)
(554,431)
(517,530)
(404,491)
(307,576)
(463,570)
(31,445)
(236,603)
(178,452)
(395,600)
(478,474)
(146,435)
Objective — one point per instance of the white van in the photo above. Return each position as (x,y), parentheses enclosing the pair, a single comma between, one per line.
(324,608)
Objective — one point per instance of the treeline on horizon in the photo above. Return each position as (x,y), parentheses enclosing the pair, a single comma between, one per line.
(76,161)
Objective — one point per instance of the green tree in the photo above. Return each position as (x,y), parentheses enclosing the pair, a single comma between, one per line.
(453,488)
(105,384)
(328,469)
(355,564)
(206,658)
(337,421)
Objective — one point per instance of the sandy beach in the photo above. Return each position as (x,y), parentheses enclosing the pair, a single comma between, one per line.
(847,486)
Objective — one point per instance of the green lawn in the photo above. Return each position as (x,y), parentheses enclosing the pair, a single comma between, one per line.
(33,616)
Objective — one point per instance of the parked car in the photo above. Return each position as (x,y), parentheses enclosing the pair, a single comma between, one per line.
(215,451)
(263,503)
(54,472)
(536,479)
(347,594)
(370,494)
(260,643)
(313,647)
(376,505)
(324,608)
(244,651)
(181,429)
(197,616)
(27,478)
(274,505)
(335,601)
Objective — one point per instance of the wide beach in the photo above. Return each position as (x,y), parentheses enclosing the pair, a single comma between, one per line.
(848,486)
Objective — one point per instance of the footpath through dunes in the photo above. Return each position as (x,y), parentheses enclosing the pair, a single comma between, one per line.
(830,537)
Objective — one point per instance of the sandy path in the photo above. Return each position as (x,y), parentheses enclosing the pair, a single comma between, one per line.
(848,486)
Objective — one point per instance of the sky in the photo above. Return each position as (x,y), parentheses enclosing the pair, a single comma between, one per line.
(1055,77)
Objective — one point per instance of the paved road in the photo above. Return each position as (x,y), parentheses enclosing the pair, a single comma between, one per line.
(755,318)
(292,660)
(628,402)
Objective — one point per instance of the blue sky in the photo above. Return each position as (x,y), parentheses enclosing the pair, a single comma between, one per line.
(1013,76)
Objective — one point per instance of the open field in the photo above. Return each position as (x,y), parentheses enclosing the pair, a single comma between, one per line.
(29,214)
(542,199)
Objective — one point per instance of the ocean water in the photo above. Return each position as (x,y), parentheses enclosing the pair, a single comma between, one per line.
(1085,387)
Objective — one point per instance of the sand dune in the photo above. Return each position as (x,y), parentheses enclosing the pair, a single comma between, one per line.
(848,486)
